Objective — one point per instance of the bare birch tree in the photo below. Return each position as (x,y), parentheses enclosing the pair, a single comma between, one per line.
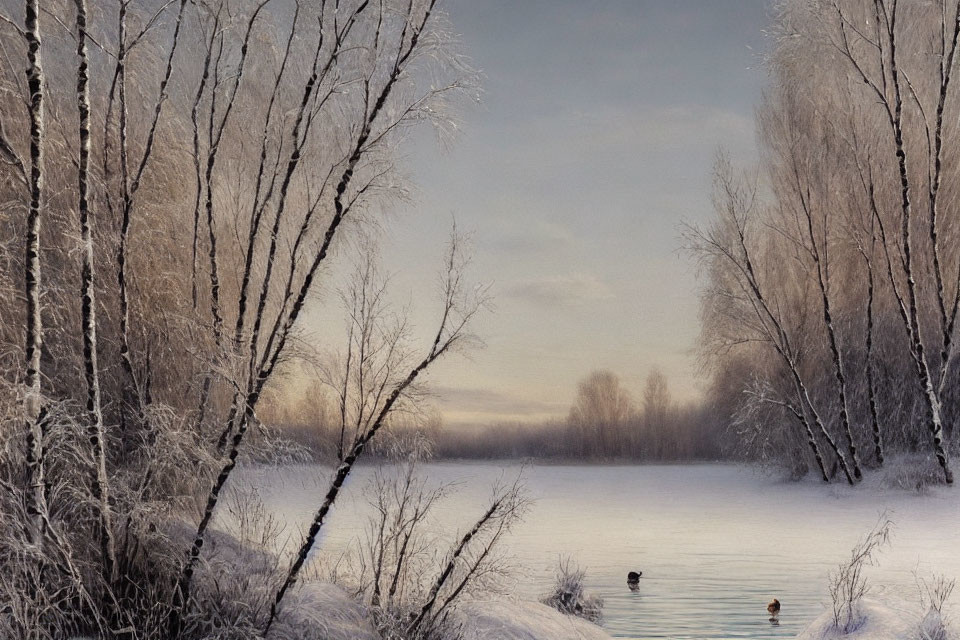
(857,172)
(459,308)
(393,43)
(889,91)
(726,246)
(291,114)
(34,324)
(804,190)
(99,482)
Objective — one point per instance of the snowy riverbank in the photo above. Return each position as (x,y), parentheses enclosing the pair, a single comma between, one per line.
(324,611)
(319,610)
(876,620)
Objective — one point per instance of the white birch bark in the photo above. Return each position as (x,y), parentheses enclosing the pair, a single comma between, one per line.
(36,481)
(95,431)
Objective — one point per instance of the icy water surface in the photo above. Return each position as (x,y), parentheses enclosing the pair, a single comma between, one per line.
(714,542)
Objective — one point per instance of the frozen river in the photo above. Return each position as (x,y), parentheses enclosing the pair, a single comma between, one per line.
(715,542)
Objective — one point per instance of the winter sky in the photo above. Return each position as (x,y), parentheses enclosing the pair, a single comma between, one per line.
(598,126)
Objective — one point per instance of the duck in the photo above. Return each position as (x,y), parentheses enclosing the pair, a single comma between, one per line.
(633,579)
(774,607)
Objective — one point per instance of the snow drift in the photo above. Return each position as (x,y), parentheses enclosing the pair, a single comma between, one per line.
(880,621)
(513,620)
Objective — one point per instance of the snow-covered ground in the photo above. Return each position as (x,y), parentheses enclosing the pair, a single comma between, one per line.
(322,611)
(875,622)
(514,620)
(317,610)
(886,620)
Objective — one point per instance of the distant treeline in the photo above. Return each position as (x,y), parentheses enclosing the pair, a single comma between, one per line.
(604,424)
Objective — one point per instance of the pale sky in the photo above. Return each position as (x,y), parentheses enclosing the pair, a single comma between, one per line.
(595,138)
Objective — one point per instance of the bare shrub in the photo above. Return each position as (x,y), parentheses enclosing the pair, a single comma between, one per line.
(848,584)
(413,592)
(569,595)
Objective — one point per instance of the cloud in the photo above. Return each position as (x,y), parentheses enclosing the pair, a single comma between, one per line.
(626,131)
(472,406)
(561,291)
(533,236)
(481,400)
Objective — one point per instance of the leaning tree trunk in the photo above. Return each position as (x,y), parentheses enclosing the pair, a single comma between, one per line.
(99,483)
(811,439)
(821,262)
(805,398)
(441,344)
(451,566)
(781,344)
(36,482)
(342,472)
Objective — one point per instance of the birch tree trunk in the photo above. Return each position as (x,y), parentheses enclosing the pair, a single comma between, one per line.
(947,317)
(129,190)
(343,471)
(36,481)
(449,333)
(822,268)
(892,79)
(933,409)
(871,383)
(195,119)
(728,244)
(95,432)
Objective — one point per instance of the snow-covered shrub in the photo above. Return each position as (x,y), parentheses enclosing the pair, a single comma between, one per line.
(934,595)
(848,584)
(55,588)
(911,472)
(569,595)
(507,619)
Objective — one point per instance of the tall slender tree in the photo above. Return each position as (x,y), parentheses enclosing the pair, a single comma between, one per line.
(34,324)
(95,431)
